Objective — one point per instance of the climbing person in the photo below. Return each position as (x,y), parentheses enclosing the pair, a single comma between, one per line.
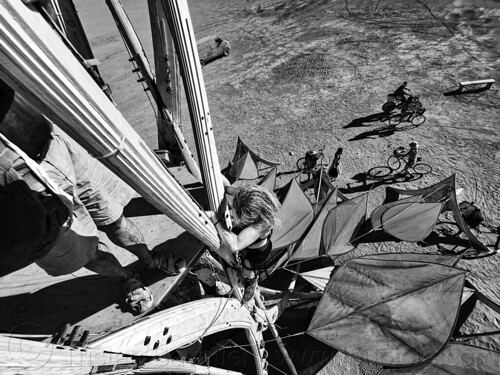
(254,214)
(412,157)
(402,91)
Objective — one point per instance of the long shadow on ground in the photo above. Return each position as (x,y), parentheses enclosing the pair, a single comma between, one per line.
(365,183)
(384,131)
(362,121)
(465,91)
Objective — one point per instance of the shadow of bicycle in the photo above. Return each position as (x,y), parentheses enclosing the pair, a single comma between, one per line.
(384,131)
(365,181)
(362,121)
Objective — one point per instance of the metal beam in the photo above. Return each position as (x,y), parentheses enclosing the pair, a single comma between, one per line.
(36,63)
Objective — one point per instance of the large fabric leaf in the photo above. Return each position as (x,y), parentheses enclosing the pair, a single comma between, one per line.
(309,246)
(242,148)
(244,168)
(269,180)
(376,217)
(296,215)
(445,192)
(411,222)
(342,226)
(395,313)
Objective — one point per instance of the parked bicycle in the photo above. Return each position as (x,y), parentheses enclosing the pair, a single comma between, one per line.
(398,159)
(309,164)
(415,116)
(314,173)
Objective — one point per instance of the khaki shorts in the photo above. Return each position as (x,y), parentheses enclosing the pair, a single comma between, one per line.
(102,192)
(73,247)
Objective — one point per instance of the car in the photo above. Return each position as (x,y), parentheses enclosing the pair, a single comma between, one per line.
(212,47)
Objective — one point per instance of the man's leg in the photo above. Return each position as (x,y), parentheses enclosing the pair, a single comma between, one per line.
(125,234)
(106,264)
(139,298)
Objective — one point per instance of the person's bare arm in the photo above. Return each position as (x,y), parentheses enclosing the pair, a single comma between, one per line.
(230,240)
(228,188)
(238,242)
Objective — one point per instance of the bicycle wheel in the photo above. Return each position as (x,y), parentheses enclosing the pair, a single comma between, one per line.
(422,168)
(418,120)
(393,162)
(301,164)
(379,172)
(412,107)
(396,119)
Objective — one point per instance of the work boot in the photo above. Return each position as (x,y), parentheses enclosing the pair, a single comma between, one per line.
(250,285)
(137,296)
(171,263)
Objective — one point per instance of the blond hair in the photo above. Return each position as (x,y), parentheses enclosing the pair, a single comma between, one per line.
(255,205)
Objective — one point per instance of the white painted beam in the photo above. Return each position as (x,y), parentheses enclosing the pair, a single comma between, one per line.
(37,64)
(181,28)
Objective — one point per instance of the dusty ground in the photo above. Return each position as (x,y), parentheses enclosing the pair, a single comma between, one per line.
(305,73)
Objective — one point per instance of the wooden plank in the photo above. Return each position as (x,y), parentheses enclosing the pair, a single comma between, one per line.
(478,82)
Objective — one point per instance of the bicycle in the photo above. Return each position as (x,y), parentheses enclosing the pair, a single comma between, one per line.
(415,116)
(310,167)
(394,162)
(309,163)
(397,103)
(400,154)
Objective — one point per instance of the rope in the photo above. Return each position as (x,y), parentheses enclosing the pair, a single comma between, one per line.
(116,151)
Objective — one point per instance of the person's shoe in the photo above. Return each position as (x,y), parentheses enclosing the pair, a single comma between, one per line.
(172,264)
(250,285)
(138,297)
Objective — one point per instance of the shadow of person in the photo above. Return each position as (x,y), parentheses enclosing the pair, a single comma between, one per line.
(360,177)
(360,188)
(381,132)
(363,178)
(381,117)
